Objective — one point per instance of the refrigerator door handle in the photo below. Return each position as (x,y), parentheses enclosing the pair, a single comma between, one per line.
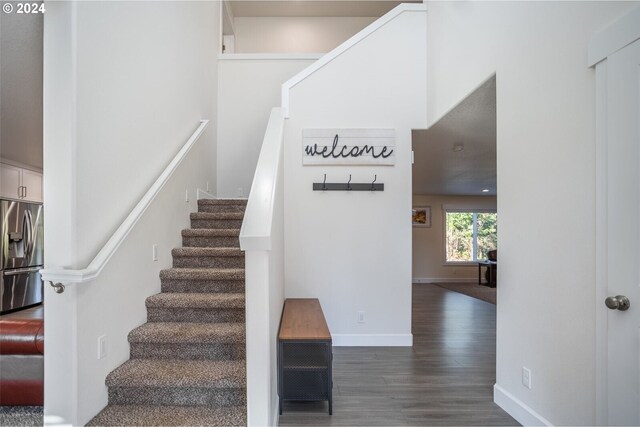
(18,271)
(27,231)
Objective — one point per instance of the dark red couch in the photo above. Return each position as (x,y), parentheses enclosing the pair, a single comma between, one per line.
(21,361)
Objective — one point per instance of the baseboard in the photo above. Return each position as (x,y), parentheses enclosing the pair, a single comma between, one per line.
(444,280)
(517,409)
(372,340)
(276,413)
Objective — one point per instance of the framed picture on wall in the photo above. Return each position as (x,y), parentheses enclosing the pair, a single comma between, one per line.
(421,216)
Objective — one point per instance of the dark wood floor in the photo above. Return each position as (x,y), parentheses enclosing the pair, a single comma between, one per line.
(445,379)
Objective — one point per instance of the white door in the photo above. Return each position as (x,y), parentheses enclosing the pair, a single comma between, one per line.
(623,230)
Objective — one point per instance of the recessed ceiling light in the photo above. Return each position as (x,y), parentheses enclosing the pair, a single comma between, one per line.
(458,146)
(485,190)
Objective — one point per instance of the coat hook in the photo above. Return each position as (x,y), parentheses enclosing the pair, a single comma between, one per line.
(375,178)
(324,183)
(349,183)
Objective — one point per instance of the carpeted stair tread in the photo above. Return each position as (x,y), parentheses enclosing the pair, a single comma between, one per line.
(211,232)
(179,373)
(202,274)
(217,215)
(195,300)
(187,364)
(207,252)
(222,202)
(211,258)
(188,333)
(152,415)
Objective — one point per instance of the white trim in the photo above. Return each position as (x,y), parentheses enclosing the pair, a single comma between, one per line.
(55,420)
(372,340)
(431,280)
(255,234)
(468,207)
(366,32)
(619,34)
(517,409)
(601,247)
(276,412)
(63,275)
(270,56)
(220,28)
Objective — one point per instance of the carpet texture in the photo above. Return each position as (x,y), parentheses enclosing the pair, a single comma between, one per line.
(473,290)
(21,415)
(187,363)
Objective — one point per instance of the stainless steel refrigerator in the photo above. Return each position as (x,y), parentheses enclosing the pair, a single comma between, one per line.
(22,249)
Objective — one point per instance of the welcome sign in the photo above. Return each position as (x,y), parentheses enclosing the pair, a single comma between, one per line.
(349,147)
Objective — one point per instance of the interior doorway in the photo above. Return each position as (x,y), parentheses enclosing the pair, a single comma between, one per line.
(455,239)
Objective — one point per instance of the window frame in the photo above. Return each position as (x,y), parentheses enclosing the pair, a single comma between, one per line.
(475,212)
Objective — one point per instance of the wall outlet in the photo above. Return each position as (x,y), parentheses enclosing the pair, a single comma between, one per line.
(154,252)
(102,347)
(186,195)
(526,377)
(207,190)
(361,316)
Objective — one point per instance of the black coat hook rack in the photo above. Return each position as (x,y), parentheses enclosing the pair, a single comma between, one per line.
(348,186)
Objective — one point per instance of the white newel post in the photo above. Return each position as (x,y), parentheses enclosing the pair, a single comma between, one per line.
(258,337)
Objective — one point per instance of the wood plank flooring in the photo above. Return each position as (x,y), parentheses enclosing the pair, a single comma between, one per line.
(445,379)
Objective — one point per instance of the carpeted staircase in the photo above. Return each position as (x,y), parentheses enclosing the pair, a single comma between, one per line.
(187,364)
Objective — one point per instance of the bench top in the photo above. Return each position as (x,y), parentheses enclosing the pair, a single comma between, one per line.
(302,319)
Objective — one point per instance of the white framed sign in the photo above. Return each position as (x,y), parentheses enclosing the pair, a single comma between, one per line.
(349,147)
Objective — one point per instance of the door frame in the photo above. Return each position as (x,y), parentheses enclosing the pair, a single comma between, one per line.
(611,39)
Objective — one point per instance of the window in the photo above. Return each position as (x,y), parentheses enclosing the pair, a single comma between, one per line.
(470,235)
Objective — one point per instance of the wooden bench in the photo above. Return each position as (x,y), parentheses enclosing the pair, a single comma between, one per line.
(304,353)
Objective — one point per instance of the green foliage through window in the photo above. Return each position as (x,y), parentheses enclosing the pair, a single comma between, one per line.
(470,235)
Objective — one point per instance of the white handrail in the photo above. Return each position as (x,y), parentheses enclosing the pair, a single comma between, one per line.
(366,32)
(255,233)
(94,268)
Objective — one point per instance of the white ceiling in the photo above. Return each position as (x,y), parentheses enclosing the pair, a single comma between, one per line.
(438,169)
(315,8)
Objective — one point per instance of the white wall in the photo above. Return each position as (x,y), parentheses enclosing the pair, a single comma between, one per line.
(247,91)
(21,88)
(125,85)
(145,74)
(546,173)
(352,249)
(428,243)
(113,304)
(294,34)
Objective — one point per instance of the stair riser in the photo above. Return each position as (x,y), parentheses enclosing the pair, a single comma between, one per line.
(211,242)
(178,396)
(214,351)
(208,262)
(216,223)
(202,286)
(221,208)
(219,315)
(148,415)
